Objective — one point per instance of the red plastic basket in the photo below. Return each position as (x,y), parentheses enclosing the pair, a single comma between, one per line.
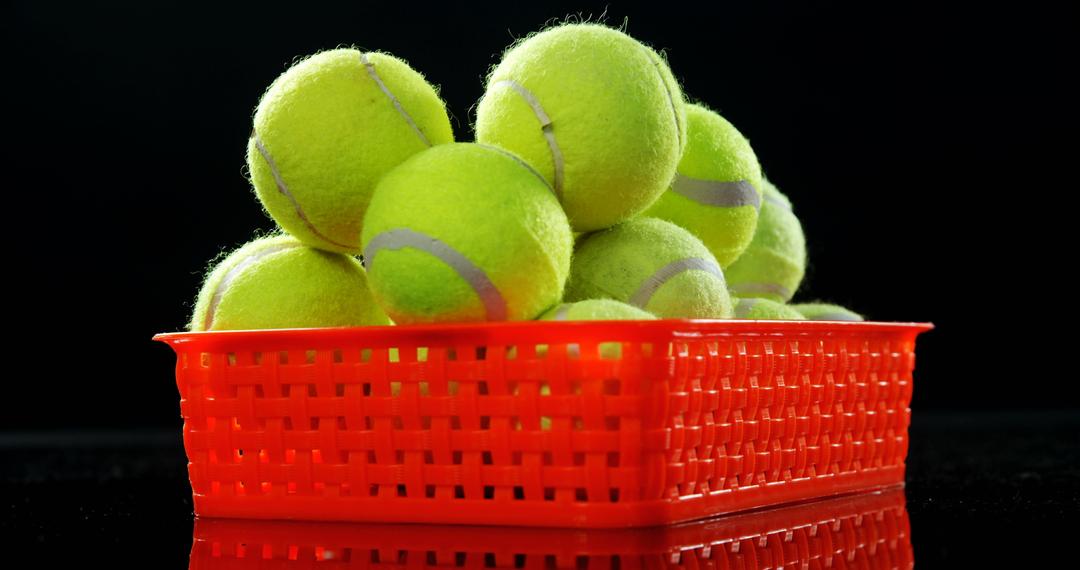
(578,424)
(863,531)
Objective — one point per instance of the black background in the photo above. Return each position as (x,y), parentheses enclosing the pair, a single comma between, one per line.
(929,152)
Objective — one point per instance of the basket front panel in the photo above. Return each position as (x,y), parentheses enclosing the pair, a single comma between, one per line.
(413,428)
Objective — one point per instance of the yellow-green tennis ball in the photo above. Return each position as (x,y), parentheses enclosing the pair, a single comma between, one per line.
(826,312)
(774,263)
(765,309)
(465,232)
(596,310)
(653,265)
(277,283)
(327,130)
(596,112)
(717,190)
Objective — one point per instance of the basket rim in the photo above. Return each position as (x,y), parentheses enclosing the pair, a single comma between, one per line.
(550,331)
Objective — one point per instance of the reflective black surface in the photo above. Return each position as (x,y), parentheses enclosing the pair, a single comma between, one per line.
(989,489)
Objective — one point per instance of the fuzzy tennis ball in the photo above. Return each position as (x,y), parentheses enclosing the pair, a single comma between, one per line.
(277,282)
(765,309)
(717,190)
(327,130)
(653,265)
(773,265)
(596,310)
(596,112)
(465,232)
(826,312)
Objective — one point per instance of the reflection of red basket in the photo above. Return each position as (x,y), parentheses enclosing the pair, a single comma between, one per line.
(863,531)
(541,424)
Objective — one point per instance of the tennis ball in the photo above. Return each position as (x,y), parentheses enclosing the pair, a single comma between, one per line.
(826,312)
(653,265)
(596,310)
(773,265)
(465,232)
(717,190)
(277,282)
(765,309)
(596,112)
(327,130)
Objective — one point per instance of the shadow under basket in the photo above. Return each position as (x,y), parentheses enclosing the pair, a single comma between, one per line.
(563,424)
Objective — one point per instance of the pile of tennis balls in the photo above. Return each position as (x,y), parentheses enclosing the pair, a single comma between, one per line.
(594,190)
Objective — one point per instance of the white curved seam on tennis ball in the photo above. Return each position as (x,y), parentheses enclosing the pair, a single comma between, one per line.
(644,294)
(522,163)
(667,89)
(397,104)
(716,193)
(546,126)
(283,189)
(494,304)
(778,202)
(234,272)
(747,289)
(563,312)
(743,308)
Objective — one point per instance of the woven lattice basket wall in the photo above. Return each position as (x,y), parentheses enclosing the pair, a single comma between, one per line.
(541,424)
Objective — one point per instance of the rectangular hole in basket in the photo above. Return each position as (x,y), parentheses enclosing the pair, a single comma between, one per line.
(455,422)
(309,357)
(578,423)
(485,422)
(451,354)
(452,387)
(459,492)
(612,423)
(373,489)
(401,491)
(482,388)
(489,492)
(429,491)
(259,391)
(230,359)
(519,493)
(312,392)
(429,457)
(366,388)
(456,457)
(613,495)
(204,359)
(313,424)
(573,351)
(549,493)
(286,423)
(581,495)
(422,353)
(511,353)
(515,458)
(541,350)
(611,351)
(339,390)
(579,458)
(480,353)
(519,560)
(425,422)
(256,357)
(365,354)
(399,457)
(611,387)
(548,458)
(339,356)
(613,459)
(397,422)
(486,458)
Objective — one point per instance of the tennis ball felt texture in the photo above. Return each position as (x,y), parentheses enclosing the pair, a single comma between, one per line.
(826,312)
(774,263)
(277,282)
(596,112)
(463,232)
(327,130)
(653,265)
(596,310)
(765,309)
(717,190)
